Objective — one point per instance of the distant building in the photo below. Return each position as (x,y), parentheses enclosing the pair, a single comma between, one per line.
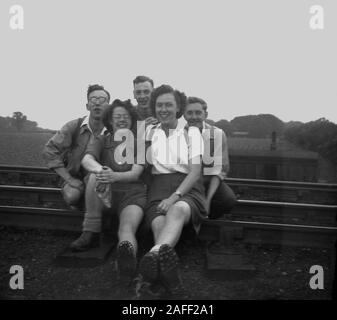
(253,158)
(273,141)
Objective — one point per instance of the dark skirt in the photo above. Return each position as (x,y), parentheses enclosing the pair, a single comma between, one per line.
(164,185)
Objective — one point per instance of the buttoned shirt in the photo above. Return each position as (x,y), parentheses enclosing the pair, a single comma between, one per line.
(67,147)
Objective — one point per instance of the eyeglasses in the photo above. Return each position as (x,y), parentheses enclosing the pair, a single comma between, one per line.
(97,99)
(121,116)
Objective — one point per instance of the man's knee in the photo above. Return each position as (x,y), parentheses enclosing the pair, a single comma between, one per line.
(223,202)
(230,201)
(72,196)
(226,196)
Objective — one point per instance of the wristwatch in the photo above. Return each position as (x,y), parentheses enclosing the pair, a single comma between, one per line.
(178,193)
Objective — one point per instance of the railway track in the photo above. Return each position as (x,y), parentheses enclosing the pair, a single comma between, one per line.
(270,211)
(251,232)
(29,197)
(247,189)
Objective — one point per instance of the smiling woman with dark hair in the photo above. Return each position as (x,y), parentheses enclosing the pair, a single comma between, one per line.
(176,195)
(116,184)
(127,105)
(179,97)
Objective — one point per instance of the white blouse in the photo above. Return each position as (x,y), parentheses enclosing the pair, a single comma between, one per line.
(172,154)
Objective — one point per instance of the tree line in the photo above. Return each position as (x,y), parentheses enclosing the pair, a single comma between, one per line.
(319,136)
(253,126)
(18,122)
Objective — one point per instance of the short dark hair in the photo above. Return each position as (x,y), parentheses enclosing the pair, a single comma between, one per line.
(197,100)
(140,79)
(127,105)
(180,98)
(95,87)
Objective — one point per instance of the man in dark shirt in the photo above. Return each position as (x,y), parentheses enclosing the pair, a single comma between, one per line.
(64,151)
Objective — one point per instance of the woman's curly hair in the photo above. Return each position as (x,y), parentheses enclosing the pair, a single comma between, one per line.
(127,105)
(179,97)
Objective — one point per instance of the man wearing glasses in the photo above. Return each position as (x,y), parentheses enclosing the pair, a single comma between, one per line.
(64,151)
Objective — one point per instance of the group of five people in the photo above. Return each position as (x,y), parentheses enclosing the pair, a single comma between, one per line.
(167,185)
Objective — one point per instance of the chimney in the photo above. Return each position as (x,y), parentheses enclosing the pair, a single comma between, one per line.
(273,141)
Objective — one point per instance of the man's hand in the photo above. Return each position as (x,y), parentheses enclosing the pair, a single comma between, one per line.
(106,175)
(75,183)
(150,120)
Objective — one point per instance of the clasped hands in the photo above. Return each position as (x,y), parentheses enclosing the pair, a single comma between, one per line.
(106,175)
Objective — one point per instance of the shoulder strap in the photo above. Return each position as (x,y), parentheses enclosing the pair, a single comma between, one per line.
(186,135)
(76,132)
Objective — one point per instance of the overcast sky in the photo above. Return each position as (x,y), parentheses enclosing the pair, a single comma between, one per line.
(242,56)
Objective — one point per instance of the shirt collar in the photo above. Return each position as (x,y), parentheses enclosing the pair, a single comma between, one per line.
(203,127)
(181,125)
(85,122)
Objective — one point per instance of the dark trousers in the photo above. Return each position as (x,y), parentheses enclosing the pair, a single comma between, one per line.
(223,201)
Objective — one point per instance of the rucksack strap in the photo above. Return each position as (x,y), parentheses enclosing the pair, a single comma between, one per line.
(76,133)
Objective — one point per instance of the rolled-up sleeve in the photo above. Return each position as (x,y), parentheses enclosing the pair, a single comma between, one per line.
(55,149)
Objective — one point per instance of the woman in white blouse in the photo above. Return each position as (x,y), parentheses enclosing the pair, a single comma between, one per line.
(176,195)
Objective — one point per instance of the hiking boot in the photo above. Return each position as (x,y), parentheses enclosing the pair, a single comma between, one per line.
(148,267)
(169,272)
(86,241)
(126,259)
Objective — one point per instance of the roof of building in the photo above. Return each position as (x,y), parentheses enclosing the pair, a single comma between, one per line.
(244,146)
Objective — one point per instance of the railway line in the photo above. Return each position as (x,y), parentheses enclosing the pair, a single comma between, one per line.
(30,197)
(248,189)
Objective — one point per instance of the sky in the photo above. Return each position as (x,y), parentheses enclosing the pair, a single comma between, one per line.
(241,56)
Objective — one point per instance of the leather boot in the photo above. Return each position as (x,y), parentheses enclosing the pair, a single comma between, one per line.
(86,241)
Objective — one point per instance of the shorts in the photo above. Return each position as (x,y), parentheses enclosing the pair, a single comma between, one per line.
(163,186)
(126,194)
